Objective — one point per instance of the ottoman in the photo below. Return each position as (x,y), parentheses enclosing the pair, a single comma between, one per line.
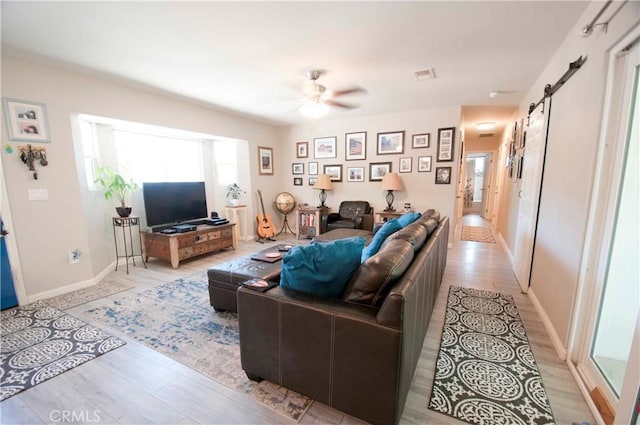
(225,278)
(335,234)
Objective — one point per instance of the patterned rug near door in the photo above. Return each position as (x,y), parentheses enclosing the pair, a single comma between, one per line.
(477,234)
(38,342)
(486,372)
(176,319)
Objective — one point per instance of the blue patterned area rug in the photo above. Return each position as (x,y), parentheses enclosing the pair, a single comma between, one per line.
(176,319)
(38,342)
(486,372)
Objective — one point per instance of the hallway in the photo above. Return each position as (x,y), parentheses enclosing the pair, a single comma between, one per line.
(486,266)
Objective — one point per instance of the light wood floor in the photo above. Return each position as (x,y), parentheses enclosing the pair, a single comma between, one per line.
(136,385)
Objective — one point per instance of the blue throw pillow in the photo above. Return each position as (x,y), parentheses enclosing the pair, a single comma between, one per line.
(321,269)
(388,229)
(408,218)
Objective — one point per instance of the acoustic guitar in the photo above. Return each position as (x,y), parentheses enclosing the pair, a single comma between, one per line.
(265,226)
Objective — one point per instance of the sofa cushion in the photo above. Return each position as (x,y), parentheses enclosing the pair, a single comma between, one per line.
(389,228)
(429,223)
(431,213)
(415,234)
(372,280)
(321,269)
(408,218)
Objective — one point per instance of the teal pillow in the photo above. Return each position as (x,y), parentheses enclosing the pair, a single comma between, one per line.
(388,229)
(408,218)
(321,269)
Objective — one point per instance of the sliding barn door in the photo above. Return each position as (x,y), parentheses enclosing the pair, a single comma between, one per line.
(529,193)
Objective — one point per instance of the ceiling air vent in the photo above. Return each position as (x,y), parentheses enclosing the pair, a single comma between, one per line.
(425,74)
(486,135)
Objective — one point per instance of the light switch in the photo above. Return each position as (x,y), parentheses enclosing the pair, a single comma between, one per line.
(38,194)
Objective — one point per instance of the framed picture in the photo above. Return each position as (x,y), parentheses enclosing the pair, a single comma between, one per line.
(334,172)
(424,164)
(377,170)
(446,139)
(26,121)
(355,146)
(313,168)
(443,175)
(312,181)
(297,181)
(297,168)
(265,160)
(355,174)
(405,165)
(302,150)
(421,140)
(324,147)
(391,143)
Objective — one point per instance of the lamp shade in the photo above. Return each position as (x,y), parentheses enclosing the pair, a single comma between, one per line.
(323,182)
(391,181)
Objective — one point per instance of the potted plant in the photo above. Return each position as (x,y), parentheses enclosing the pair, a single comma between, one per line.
(114,185)
(234,193)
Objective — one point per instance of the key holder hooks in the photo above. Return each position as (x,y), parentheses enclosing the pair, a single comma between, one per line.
(29,154)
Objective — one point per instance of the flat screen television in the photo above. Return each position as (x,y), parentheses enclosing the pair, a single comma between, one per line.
(174,202)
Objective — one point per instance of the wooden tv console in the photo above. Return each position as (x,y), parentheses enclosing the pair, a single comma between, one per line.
(176,247)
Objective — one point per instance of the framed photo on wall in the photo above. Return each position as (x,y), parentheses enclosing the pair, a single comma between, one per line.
(297,168)
(265,160)
(446,139)
(405,165)
(443,175)
(391,143)
(334,172)
(302,150)
(324,147)
(424,164)
(297,181)
(26,120)
(313,168)
(312,181)
(355,146)
(355,174)
(377,170)
(421,140)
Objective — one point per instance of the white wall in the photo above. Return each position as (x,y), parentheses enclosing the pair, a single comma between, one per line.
(419,188)
(572,144)
(46,231)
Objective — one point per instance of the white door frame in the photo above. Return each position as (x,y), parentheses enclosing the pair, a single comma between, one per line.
(608,173)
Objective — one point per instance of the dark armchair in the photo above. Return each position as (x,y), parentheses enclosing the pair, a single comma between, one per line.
(352,215)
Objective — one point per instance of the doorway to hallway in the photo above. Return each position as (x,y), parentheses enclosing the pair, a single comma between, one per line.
(477,184)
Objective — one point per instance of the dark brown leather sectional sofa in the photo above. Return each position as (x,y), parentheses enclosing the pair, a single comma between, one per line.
(357,358)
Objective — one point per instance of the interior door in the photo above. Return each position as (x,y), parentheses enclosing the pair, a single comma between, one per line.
(8,296)
(487,182)
(529,193)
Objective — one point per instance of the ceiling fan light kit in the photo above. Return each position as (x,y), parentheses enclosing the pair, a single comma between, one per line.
(317,99)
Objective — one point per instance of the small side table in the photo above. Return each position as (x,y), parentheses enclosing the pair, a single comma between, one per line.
(129,251)
(387,215)
(233,214)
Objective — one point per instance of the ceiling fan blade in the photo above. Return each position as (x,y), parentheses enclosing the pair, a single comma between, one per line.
(348,91)
(338,104)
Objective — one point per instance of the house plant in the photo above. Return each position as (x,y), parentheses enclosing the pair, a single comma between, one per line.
(234,193)
(114,185)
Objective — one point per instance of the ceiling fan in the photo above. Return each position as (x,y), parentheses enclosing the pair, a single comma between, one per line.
(315,93)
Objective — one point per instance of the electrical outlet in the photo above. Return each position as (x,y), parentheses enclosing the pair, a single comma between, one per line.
(74,257)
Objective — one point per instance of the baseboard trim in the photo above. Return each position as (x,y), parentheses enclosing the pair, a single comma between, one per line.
(561,350)
(579,377)
(72,287)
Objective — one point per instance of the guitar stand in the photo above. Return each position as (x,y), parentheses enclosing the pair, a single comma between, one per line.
(261,240)
(285,226)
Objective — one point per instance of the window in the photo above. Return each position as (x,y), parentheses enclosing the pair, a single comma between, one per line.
(224,152)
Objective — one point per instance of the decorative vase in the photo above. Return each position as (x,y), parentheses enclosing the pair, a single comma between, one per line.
(123,211)
(234,202)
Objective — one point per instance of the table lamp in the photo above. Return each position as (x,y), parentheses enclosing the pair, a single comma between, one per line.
(391,182)
(323,182)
